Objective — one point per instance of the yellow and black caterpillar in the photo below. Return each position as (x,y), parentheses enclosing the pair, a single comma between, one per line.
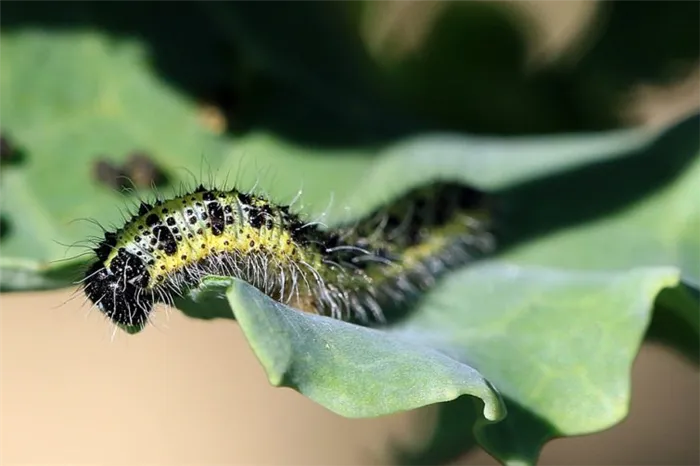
(354,271)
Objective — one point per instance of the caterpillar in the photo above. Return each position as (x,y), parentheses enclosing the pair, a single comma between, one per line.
(355,271)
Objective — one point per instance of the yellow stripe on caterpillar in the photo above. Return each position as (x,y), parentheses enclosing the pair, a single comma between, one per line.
(351,271)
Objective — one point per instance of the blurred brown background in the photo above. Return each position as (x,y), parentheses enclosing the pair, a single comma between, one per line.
(191,392)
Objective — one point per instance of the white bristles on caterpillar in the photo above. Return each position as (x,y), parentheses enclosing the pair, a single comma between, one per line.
(354,271)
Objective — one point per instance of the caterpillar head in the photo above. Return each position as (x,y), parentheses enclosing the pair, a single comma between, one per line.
(118,290)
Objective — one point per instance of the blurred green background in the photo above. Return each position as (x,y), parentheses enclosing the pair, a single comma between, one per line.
(575,115)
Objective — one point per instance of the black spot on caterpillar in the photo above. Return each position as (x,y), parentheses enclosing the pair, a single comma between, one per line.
(355,271)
